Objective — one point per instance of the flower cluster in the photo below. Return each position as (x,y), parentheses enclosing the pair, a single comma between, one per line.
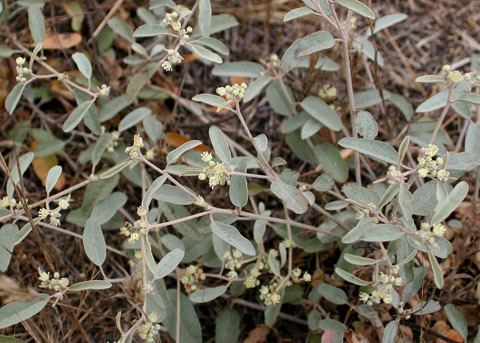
(382,290)
(455,76)
(22,71)
(104,90)
(56,283)
(274,61)
(136,149)
(233,261)
(133,231)
(191,276)
(430,165)
(173,20)
(233,92)
(6,202)
(327,92)
(251,281)
(173,57)
(54,214)
(297,275)
(218,174)
(269,295)
(367,212)
(427,232)
(149,330)
(112,144)
(394,175)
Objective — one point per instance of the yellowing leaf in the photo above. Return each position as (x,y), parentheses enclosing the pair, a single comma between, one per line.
(61,41)
(175,140)
(41,166)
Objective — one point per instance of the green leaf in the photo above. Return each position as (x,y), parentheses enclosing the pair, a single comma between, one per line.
(357,7)
(366,125)
(169,263)
(434,103)
(174,155)
(83,64)
(121,28)
(52,178)
(377,149)
(370,98)
(150,30)
(403,105)
(173,195)
(390,332)
(319,110)
(388,20)
(205,17)
(205,53)
(8,236)
(220,144)
(36,23)
(437,271)
(240,68)
(18,311)
(305,46)
(430,79)
(112,107)
(89,285)
(256,87)
(5,51)
(290,195)
(238,190)
(136,84)
(457,320)
(154,187)
(114,170)
(359,260)
(106,208)
(133,118)
(471,98)
(207,294)
(227,326)
(77,115)
(350,277)
(426,307)
(331,293)
(446,206)
(14,97)
(277,99)
(232,236)
(94,242)
(329,157)
(190,328)
(297,13)
(209,99)
(214,44)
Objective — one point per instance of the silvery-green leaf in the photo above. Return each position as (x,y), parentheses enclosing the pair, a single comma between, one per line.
(205,295)
(36,23)
(155,186)
(430,79)
(209,99)
(52,178)
(256,87)
(83,64)
(350,277)
(297,13)
(277,99)
(114,170)
(366,125)
(94,242)
(106,209)
(99,148)
(331,293)
(437,271)
(305,46)
(390,332)
(370,98)
(388,195)
(261,141)
(227,326)
(22,234)
(290,195)
(426,307)
(121,28)
(240,68)
(136,84)
(450,203)
(319,110)
(190,328)
(204,17)
(377,149)
(471,98)
(168,263)
(24,162)
(220,144)
(402,149)
(8,235)
(403,105)
(388,20)
(472,139)
(359,260)
(112,107)
(214,44)
(329,157)
(133,118)
(153,127)
(173,195)
(18,311)
(77,115)
(232,236)
(238,190)
(323,183)
(434,103)
(205,53)
(91,284)
(14,97)
(174,155)
(357,7)
(172,242)
(150,30)
(463,161)
(5,51)
(356,232)
(311,127)
(457,320)
(362,195)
